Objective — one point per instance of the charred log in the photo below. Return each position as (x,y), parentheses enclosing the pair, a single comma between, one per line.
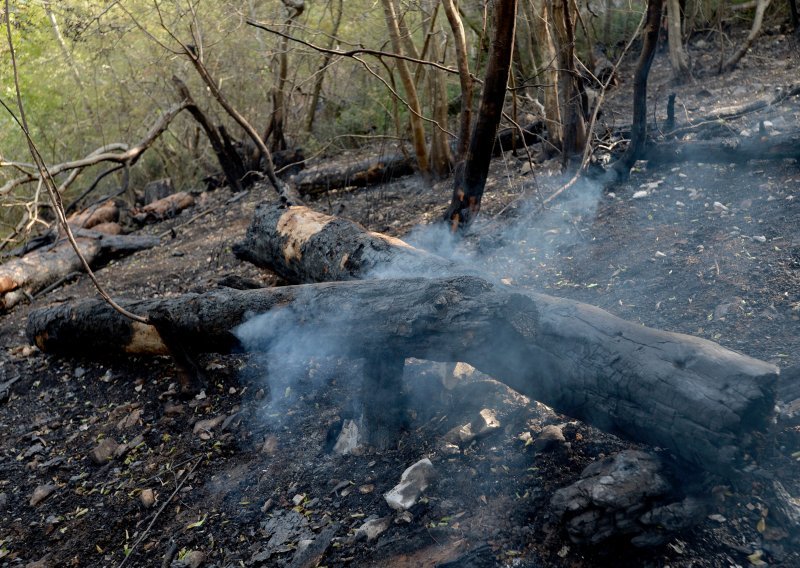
(165,208)
(735,150)
(704,403)
(511,138)
(302,246)
(359,174)
(23,277)
(107,212)
(101,218)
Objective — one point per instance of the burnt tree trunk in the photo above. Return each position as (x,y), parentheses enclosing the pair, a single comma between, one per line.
(704,403)
(636,147)
(470,178)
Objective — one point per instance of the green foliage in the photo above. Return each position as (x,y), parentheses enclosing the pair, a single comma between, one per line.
(109,76)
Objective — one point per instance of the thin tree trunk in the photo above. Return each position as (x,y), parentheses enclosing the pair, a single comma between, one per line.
(755,30)
(569,89)
(638,141)
(276,125)
(470,180)
(462,61)
(547,59)
(70,62)
(678,58)
(337,20)
(415,114)
(441,156)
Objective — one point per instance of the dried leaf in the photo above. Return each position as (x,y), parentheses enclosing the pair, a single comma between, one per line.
(197,524)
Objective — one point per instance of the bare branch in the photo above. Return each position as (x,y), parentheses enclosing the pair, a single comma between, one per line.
(129,155)
(353,52)
(46,177)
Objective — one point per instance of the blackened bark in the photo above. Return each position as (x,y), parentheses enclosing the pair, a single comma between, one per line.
(384,411)
(638,141)
(702,402)
(359,174)
(470,178)
(302,245)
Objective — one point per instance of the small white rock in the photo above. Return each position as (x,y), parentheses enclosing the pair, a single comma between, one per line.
(413,482)
(639,194)
(147,497)
(373,528)
(348,438)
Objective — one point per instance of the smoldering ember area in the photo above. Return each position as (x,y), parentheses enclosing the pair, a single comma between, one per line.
(406,284)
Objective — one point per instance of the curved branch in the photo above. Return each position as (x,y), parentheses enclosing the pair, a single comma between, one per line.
(129,155)
(352,52)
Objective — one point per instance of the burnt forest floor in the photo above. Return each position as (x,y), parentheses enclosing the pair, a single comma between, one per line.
(708,250)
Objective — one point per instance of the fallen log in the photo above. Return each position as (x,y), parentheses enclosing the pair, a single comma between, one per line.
(359,174)
(164,208)
(734,150)
(106,212)
(512,139)
(315,181)
(101,218)
(582,343)
(699,400)
(303,246)
(23,277)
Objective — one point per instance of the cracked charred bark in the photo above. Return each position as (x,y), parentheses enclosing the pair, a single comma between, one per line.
(704,403)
